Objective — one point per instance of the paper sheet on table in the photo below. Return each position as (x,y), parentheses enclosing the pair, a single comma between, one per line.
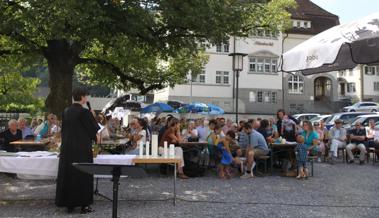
(36,154)
(101,128)
(376,136)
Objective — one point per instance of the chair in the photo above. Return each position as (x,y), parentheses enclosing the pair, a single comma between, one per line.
(372,151)
(356,151)
(311,160)
(344,154)
(263,160)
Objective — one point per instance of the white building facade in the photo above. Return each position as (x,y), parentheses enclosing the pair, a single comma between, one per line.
(261,87)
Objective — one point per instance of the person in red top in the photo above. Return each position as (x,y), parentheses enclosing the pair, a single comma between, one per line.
(172,136)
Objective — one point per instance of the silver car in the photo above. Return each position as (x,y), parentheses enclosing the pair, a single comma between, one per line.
(362,107)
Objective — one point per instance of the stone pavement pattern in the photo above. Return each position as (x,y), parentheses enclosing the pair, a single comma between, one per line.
(338,191)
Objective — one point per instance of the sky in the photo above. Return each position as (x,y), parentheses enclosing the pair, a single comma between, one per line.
(349,10)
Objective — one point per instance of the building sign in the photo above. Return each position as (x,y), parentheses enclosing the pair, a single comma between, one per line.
(264,43)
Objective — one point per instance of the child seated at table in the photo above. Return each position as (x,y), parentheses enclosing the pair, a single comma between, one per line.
(301,157)
(226,155)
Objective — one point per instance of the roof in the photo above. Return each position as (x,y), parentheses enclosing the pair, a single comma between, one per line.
(369,115)
(321,19)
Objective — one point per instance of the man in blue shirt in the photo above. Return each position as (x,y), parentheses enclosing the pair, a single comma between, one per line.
(256,147)
(26,130)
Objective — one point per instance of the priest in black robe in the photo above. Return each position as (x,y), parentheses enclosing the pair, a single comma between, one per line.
(79,129)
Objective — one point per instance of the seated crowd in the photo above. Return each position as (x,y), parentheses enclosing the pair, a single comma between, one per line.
(23,129)
(228,144)
(232,143)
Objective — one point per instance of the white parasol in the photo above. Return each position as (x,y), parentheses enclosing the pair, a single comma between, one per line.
(340,47)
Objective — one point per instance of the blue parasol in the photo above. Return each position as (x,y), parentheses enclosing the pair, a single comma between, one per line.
(157,107)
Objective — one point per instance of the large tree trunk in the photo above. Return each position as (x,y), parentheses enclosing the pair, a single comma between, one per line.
(61,57)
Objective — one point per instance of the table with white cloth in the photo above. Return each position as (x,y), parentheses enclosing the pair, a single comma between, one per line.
(44,165)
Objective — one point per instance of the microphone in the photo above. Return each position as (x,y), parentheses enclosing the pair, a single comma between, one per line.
(88,105)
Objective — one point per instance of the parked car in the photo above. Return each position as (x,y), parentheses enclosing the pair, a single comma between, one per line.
(364,120)
(175,104)
(362,106)
(302,117)
(124,102)
(346,117)
(320,118)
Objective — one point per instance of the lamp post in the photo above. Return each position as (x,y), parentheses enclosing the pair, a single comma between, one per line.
(237,67)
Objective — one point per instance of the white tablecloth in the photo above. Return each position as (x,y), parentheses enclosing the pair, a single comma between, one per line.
(47,165)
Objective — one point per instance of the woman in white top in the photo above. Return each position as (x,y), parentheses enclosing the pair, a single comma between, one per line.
(138,137)
(190,134)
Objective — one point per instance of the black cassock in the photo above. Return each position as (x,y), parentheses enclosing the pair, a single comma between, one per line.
(79,128)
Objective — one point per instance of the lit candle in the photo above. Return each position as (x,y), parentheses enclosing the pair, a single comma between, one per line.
(147,149)
(154,145)
(165,150)
(171,151)
(141,149)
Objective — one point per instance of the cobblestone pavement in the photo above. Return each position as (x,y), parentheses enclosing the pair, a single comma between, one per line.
(338,191)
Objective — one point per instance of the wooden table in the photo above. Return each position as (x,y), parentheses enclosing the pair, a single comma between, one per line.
(159,160)
(277,148)
(40,145)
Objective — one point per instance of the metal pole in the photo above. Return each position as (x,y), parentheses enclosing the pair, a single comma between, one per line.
(237,89)
(174,184)
(283,83)
(191,91)
(116,177)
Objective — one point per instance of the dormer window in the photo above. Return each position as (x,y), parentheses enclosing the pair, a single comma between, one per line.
(302,24)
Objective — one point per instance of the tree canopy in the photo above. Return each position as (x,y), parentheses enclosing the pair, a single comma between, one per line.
(142,44)
(17,92)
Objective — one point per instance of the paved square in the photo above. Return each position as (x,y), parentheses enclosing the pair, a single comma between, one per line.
(338,191)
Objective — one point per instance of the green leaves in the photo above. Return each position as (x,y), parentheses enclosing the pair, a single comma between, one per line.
(133,44)
(17,92)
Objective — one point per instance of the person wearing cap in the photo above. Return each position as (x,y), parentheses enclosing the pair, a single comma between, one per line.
(337,139)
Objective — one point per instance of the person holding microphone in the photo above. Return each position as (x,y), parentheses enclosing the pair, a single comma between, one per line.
(79,129)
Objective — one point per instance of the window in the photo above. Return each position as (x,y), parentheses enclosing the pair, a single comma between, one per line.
(260,96)
(295,85)
(371,70)
(224,47)
(376,86)
(263,65)
(200,78)
(252,97)
(260,32)
(222,77)
(273,97)
(265,33)
(218,48)
(351,88)
(270,97)
(301,24)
